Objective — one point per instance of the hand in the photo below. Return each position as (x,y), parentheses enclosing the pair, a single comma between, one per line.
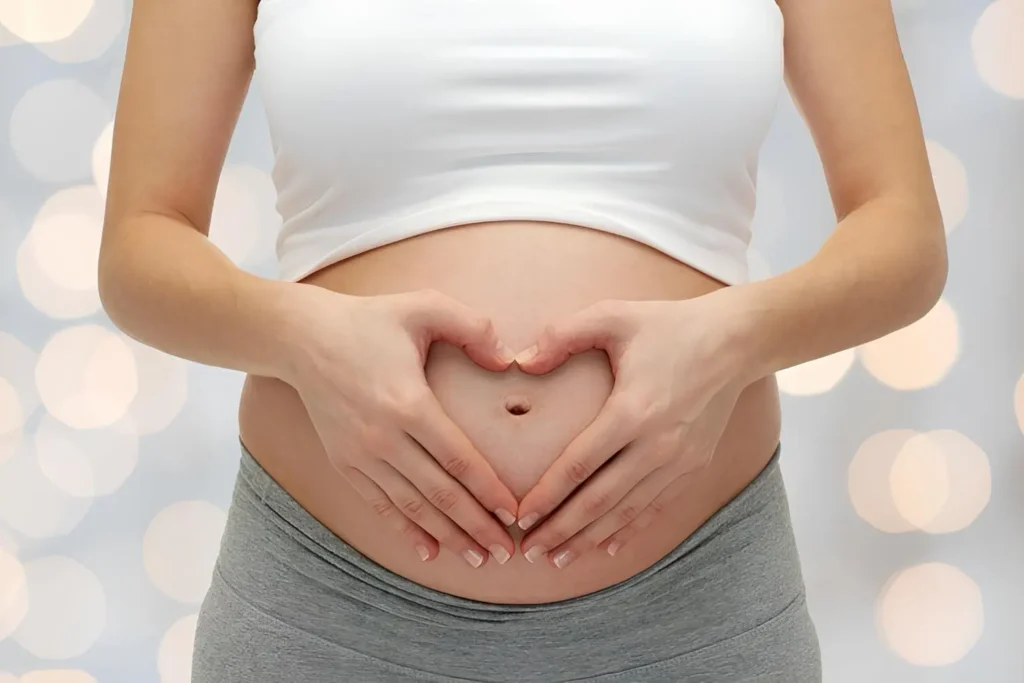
(677,379)
(359,371)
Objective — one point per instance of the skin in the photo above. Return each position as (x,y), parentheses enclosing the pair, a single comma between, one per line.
(164,283)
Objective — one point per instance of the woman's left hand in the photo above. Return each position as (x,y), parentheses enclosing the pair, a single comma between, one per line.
(678,373)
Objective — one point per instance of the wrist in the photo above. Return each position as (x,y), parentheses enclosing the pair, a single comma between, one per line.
(740,322)
(292,317)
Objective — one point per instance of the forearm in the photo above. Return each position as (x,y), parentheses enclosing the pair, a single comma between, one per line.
(165,284)
(883,268)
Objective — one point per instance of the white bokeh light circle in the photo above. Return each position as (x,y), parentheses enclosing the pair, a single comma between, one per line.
(43,21)
(816,376)
(85,463)
(53,128)
(162,388)
(180,547)
(58,676)
(917,356)
(174,658)
(58,259)
(868,480)
(6,676)
(931,614)
(17,367)
(12,415)
(950,179)
(13,594)
(969,476)
(29,502)
(86,376)
(997,48)
(245,222)
(101,152)
(1018,403)
(97,33)
(919,481)
(67,609)
(7,542)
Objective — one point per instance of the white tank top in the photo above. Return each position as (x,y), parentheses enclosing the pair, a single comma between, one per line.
(642,118)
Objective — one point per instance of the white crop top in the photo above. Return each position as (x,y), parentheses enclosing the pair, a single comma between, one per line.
(643,118)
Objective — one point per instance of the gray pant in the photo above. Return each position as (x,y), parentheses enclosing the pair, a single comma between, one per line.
(290,602)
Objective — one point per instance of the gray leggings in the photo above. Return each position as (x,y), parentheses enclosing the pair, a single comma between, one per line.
(291,602)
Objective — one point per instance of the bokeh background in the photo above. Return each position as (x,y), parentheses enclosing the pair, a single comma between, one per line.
(904,458)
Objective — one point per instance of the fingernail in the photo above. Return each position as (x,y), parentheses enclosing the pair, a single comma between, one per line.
(499,553)
(527,355)
(506,354)
(507,518)
(535,553)
(528,521)
(613,548)
(423,552)
(473,557)
(563,558)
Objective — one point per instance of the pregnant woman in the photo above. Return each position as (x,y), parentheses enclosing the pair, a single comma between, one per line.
(510,410)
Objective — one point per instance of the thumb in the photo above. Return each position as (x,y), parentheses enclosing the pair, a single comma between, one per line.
(442,318)
(596,327)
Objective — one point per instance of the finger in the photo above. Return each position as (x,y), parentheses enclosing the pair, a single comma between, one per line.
(595,327)
(590,504)
(612,430)
(442,318)
(426,545)
(634,504)
(652,513)
(457,461)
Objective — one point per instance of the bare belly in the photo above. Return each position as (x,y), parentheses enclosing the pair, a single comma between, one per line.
(524,275)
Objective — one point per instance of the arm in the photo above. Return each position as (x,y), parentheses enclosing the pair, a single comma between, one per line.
(355,362)
(885,264)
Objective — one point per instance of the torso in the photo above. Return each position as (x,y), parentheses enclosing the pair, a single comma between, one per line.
(523,275)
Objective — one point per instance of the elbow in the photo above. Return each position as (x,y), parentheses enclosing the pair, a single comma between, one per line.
(112,284)
(930,269)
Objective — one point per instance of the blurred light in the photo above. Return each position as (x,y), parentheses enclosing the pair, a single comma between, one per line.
(245,222)
(12,416)
(86,376)
(29,502)
(918,355)
(816,376)
(6,677)
(67,609)
(17,367)
(174,658)
(868,480)
(101,151)
(7,542)
(162,388)
(95,36)
(58,676)
(42,21)
(53,128)
(13,594)
(969,476)
(950,178)
(58,259)
(85,463)
(931,614)
(180,547)
(996,46)
(919,480)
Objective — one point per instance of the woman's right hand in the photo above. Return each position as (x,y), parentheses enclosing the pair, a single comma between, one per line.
(359,370)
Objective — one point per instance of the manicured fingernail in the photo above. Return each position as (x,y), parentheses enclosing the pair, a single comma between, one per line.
(535,553)
(613,548)
(563,558)
(528,521)
(506,354)
(527,355)
(507,518)
(499,553)
(473,557)
(423,552)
